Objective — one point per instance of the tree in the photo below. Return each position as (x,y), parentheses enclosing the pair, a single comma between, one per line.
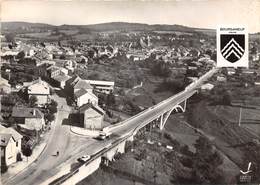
(110,100)
(226,99)
(252,154)
(27,151)
(10,37)
(32,101)
(62,57)
(20,55)
(4,167)
(52,107)
(49,117)
(205,163)
(161,69)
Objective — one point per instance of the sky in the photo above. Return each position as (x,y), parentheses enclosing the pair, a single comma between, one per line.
(194,13)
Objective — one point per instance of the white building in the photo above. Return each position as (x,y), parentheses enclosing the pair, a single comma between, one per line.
(29,118)
(5,87)
(10,144)
(40,90)
(83,96)
(102,86)
(92,116)
(76,83)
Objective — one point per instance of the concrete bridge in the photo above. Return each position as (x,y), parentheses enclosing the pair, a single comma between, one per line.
(126,130)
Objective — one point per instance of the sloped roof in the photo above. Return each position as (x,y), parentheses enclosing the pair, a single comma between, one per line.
(61,78)
(7,133)
(4,81)
(80,93)
(78,83)
(14,134)
(23,112)
(38,87)
(82,84)
(87,106)
(4,139)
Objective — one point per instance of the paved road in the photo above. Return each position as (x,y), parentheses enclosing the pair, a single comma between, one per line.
(154,112)
(71,147)
(132,124)
(62,140)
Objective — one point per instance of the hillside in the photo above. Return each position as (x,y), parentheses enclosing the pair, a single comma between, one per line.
(24,25)
(112,26)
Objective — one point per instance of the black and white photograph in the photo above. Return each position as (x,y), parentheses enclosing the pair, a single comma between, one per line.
(130,92)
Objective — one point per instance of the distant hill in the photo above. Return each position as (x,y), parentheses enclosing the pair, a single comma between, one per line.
(23,25)
(111,26)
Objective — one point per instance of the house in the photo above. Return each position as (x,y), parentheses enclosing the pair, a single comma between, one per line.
(40,90)
(60,80)
(5,87)
(29,118)
(102,86)
(92,116)
(10,144)
(83,96)
(53,71)
(58,75)
(76,83)
(81,84)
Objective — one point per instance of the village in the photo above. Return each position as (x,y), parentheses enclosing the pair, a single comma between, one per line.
(90,85)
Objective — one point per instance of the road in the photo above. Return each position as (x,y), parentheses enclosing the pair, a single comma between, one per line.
(126,128)
(145,117)
(71,147)
(62,140)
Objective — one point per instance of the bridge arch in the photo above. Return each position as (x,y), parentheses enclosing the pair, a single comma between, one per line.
(178,107)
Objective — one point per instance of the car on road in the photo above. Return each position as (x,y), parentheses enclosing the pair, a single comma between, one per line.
(84,158)
(103,135)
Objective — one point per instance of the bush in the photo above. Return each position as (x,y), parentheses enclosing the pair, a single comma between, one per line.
(19,157)
(27,151)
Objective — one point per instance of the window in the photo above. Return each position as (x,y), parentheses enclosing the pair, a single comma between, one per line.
(16,143)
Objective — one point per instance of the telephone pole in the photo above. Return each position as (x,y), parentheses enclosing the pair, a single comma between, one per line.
(240,116)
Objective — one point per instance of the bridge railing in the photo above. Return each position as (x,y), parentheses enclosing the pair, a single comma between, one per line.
(115,126)
(122,139)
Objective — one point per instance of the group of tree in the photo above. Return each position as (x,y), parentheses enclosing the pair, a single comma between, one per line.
(173,86)
(10,37)
(221,96)
(51,110)
(205,163)
(107,100)
(20,55)
(252,154)
(160,68)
